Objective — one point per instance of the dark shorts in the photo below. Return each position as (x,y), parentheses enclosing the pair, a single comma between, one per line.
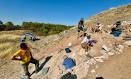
(25,66)
(33,61)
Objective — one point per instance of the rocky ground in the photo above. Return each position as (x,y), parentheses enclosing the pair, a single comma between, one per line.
(111,64)
(110,56)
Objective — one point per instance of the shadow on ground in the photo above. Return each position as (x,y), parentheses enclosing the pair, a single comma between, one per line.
(46,60)
(43,64)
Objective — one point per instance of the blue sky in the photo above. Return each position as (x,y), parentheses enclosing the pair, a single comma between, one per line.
(54,11)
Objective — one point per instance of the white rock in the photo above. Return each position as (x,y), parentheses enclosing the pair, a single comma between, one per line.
(110,53)
(91,61)
(109,26)
(96,67)
(102,51)
(69,44)
(93,71)
(120,50)
(105,48)
(129,30)
(99,60)
(126,22)
(118,53)
(121,46)
(106,56)
(100,57)
(127,42)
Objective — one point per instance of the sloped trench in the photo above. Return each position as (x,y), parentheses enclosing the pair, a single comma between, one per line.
(85,65)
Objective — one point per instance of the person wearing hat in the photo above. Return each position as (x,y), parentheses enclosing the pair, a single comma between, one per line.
(98,27)
(81,26)
(118,25)
(85,42)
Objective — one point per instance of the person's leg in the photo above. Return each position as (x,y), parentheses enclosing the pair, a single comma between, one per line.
(36,62)
(78,33)
(93,30)
(87,48)
(25,68)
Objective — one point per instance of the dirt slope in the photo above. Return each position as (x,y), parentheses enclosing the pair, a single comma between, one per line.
(117,67)
(112,65)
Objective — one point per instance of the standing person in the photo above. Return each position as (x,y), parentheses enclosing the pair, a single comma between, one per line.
(25,57)
(81,26)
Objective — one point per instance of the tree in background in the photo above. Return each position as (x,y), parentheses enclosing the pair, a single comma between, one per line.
(1,23)
(44,28)
(36,27)
(31,25)
(1,26)
(9,25)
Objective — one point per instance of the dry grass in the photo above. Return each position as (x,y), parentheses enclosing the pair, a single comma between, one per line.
(9,41)
(111,16)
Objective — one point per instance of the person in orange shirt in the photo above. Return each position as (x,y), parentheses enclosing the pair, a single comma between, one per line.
(25,57)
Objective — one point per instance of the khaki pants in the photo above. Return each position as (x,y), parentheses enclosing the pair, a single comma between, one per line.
(85,46)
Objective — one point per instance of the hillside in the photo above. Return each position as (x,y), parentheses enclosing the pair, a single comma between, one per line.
(111,16)
(50,51)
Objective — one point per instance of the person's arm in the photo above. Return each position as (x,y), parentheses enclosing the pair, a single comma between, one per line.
(17,56)
(31,55)
(30,52)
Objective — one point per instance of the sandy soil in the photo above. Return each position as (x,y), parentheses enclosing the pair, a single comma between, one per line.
(117,67)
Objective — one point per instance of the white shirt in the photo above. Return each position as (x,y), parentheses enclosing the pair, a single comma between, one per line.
(85,40)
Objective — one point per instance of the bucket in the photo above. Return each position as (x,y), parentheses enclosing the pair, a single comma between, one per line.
(67,50)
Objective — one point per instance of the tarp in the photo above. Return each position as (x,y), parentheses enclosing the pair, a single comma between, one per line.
(116,33)
(69,63)
(32,37)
